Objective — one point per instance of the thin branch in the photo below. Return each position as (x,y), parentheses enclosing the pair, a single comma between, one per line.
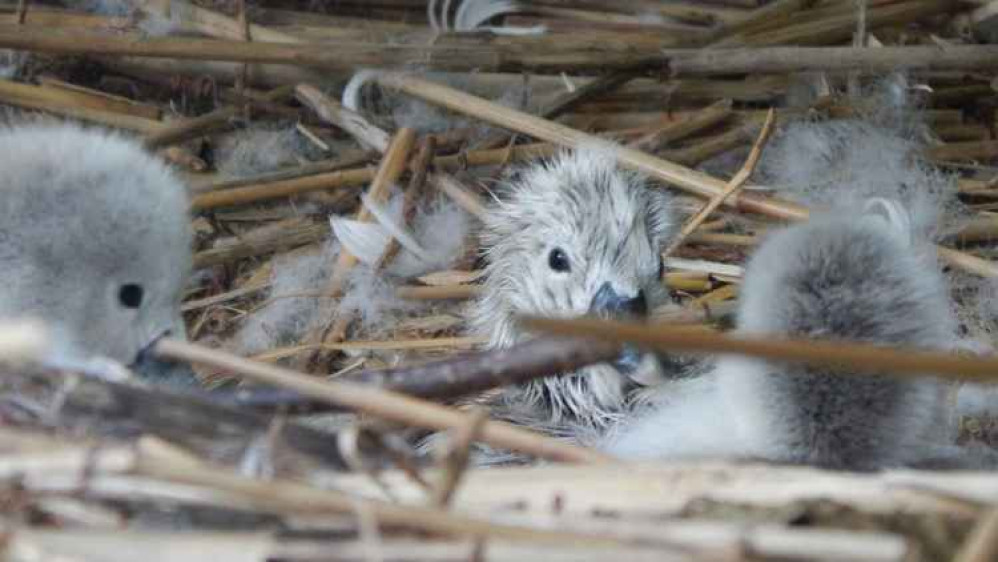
(737,181)
(185,129)
(458,376)
(982,544)
(455,460)
(380,403)
(859,356)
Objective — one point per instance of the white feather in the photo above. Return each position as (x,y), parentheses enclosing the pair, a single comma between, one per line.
(389,221)
(351,92)
(471,14)
(365,240)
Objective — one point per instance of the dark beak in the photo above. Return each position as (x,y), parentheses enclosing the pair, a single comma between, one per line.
(608,304)
(154,370)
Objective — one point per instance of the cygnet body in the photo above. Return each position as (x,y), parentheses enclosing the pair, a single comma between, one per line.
(853,276)
(574,235)
(94,238)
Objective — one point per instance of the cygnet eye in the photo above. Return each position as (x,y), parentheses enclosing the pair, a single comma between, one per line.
(558,261)
(130,295)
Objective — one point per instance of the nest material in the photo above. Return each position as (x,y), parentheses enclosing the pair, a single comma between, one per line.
(98,470)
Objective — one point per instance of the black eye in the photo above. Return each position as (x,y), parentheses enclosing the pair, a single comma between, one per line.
(130,295)
(558,261)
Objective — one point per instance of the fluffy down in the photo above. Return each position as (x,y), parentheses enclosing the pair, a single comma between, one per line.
(841,277)
(94,237)
(565,230)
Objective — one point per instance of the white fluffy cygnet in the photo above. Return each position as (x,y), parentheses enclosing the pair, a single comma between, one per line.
(94,238)
(856,276)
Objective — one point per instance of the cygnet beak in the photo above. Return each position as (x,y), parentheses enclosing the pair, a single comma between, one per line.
(608,304)
(167,373)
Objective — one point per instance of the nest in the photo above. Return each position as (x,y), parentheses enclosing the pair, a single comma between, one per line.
(259,106)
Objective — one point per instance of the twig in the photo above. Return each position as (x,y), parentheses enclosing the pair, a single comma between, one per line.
(193,419)
(189,128)
(451,187)
(673,131)
(368,345)
(461,375)
(290,497)
(214,24)
(455,460)
(64,102)
(355,177)
(345,159)
(982,544)
(900,361)
(331,111)
(737,181)
(438,292)
(413,192)
(22,11)
(769,12)
(392,165)
(383,404)
(569,101)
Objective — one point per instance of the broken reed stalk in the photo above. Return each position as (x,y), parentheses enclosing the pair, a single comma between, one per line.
(455,460)
(66,103)
(392,165)
(774,10)
(779,60)
(195,18)
(570,100)
(380,403)
(358,176)
(709,147)
(859,356)
(438,292)
(459,194)
(186,129)
(297,234)
(96,99)
(291,498)
(837,23)
(457,376)
(682,177)
(982,543)
(414,190)
(481,52)
(446,343)
(345,159)
(672,131)
(333,112)
(514,55)
(736,182)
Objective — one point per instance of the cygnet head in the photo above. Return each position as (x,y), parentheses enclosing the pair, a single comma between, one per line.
(94,238)
(574,235)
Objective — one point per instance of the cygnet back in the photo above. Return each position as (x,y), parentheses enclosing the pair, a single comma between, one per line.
(857,276)
(847,277)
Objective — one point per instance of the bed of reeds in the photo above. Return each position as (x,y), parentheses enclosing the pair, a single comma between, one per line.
(259,106)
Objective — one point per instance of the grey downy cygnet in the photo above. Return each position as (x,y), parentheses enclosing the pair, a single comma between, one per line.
(94,240)
(852,276)
(572,236)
